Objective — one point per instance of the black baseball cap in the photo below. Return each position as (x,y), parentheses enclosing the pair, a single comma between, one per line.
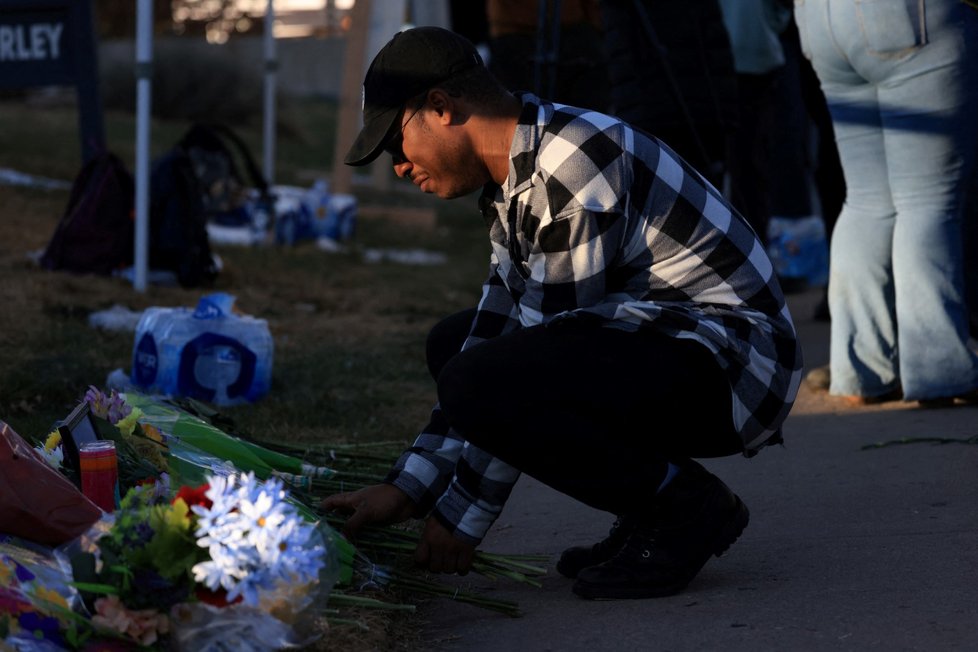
(412,62)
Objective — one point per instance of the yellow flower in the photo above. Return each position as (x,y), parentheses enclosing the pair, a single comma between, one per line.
(6,572)
(51,450)
(127,424)
(176,515)
(50,596)
(53,441)
(152,432)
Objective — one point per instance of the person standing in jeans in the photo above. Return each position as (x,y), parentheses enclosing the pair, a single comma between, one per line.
(902,87)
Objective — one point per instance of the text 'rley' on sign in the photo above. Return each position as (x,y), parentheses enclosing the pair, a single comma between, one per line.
(38,41)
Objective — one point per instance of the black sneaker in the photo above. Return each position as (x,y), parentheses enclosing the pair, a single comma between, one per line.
(695,516)
(573,560)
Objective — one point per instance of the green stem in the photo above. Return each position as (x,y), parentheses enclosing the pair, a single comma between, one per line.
(347,600)
(459,595)
(502,572)
(363,627)
(510,563)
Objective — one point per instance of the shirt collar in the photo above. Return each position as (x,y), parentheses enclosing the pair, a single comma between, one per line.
(526,143)
(522,155)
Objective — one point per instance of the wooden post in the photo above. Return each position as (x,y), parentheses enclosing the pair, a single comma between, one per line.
(373,23)
(348,123)
(386,19)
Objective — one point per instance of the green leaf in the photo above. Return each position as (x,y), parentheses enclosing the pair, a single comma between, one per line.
(91,587)
(173,550)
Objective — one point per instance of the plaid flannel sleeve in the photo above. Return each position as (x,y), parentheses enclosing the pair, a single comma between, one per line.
(476,495)
(427,469)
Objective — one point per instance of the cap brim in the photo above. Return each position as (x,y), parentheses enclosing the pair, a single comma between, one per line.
(372,138)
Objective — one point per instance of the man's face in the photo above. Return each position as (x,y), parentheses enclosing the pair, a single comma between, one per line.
(435,155)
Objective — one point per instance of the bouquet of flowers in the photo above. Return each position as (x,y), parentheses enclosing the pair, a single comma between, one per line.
(156,572)
(230,564)
(35,598)
(157,436)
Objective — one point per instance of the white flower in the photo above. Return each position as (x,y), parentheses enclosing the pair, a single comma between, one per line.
(255,538)
(54,457)
(51,449)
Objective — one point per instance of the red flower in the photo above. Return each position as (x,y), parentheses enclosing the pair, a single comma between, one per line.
(217,598)
(12,602)
(194,495)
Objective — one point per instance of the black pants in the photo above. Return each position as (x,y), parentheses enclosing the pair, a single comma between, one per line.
(596,413)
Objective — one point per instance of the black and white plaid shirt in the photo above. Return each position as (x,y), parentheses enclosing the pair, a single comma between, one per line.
(597,217)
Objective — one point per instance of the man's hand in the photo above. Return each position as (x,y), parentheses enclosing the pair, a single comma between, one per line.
(441,552)
(380,504)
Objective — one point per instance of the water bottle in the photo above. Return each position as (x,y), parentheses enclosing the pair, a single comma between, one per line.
(316,201)
(210,353)
(798,249)
(294,221)
(262,211)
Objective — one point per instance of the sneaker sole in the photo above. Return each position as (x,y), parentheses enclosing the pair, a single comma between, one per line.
(727,536)
(733,529)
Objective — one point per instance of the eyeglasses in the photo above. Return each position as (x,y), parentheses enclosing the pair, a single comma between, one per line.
(395,146)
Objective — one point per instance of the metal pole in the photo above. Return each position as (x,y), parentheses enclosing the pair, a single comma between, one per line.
(144,85)
(271,70)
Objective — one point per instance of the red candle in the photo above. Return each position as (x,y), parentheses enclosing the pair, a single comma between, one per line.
(99,473)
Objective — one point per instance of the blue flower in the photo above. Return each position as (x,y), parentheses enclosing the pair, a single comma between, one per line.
(24,574)
(41,627)
(255,539)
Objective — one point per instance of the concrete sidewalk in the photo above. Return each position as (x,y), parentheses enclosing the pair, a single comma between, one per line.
(847,548)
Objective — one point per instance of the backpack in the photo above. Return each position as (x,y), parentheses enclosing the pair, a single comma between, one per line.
(198,180)
(95,233)
(226,171)
(178,221)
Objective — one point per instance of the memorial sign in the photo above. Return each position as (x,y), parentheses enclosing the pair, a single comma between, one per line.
(52,43)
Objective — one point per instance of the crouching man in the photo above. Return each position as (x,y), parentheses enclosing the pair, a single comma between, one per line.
(630,322)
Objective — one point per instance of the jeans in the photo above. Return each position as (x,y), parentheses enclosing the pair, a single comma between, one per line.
(902,87)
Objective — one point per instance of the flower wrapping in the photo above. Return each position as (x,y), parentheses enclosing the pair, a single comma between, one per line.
(37,502)
(35,593)
(201,627)
(234,550)
(158,439)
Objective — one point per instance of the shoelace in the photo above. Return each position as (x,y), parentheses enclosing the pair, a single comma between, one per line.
(619,531)
(638,547)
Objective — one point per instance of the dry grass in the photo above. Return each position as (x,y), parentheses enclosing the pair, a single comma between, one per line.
(349,335)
